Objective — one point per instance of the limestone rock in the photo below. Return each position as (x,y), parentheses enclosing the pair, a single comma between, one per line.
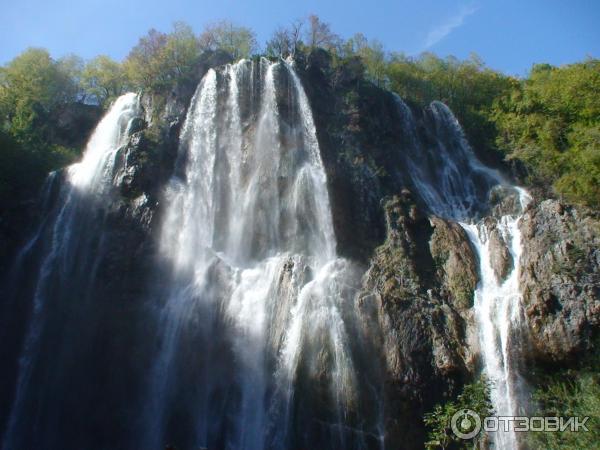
(501,258)
(455,261)
(560,278)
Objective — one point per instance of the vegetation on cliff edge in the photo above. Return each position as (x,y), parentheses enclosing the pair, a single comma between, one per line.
(548,122)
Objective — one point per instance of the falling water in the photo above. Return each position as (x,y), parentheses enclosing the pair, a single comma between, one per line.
(499,313)
(248,239)
(68,250)
(455,185)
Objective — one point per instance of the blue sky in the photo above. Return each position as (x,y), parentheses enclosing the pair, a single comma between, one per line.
(509,35)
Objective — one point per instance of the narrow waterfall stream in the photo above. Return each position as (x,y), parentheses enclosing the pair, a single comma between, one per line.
(499,313)
(455,186)
(68,245)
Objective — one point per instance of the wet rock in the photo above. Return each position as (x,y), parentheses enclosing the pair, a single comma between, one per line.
(421,336)
(360,135)
(501,259)
(504,200)
(455,261)
(137,124)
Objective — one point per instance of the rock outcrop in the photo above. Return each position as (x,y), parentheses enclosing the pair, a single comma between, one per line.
(417,288)
(560,279)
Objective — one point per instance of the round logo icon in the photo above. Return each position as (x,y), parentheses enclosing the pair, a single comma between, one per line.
(466,424)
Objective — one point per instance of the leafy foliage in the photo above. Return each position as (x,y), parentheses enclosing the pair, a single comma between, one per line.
(147,64)
(551,122)
(31,86)
(24,167)
(103,79)
(372,54)
(573,392)
(476,397)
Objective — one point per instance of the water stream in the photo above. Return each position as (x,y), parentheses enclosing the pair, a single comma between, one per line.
(455,185)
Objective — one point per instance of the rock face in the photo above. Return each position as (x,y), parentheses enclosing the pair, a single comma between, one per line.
(501,259)
(560,279)
(417,289)
(359,129)
(455,262)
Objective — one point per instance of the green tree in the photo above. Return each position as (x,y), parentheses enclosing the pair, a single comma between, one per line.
(71,67)
(181,52)
(550,123)
(159,60)
(145,64)
(372,54)
(31,86)
(103,78)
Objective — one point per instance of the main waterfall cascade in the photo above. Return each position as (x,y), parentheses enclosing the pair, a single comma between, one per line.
(68,248)
(455,186)
(256,287)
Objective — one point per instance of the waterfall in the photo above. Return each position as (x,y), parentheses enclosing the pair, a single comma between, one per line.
(500,317)
(255,284)
(67,245)
(455,185)
(246,330)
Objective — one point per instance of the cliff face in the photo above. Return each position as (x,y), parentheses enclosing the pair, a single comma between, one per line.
(561,279)
(420,270)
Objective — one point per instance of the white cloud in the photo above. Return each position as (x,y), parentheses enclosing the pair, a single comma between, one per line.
(441,31)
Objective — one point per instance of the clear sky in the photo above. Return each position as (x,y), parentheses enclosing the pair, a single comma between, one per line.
(509,35)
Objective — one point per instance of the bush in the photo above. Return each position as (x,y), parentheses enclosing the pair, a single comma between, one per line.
(476,397)
(573,392)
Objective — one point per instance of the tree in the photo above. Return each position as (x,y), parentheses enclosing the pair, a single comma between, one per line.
(239,42)
(372,55)
(159,60)
(280,43)
(71,67)
(551,123)
(319,34)
(181,51)
(284,41)
(31,86)
(103,78)
(144,65)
